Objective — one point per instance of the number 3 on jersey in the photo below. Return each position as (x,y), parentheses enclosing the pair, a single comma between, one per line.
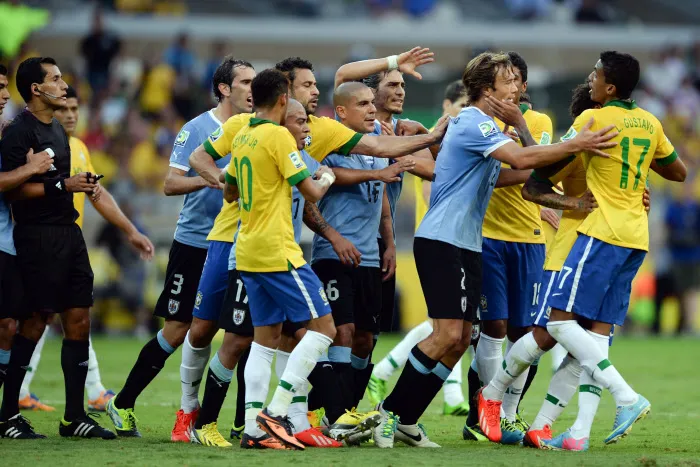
(244,181)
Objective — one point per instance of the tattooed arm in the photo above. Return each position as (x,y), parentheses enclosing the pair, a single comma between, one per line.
(346,251)
(541,192)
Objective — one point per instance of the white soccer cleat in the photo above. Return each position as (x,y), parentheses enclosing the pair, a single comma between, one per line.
(414,435)
(384,433)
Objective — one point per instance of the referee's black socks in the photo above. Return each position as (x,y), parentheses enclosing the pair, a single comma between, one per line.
(147,366)
(22,350)
(4,364)
(74,362)
(419,383)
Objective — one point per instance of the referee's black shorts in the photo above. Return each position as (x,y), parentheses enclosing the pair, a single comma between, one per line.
(10,288)
(54,266)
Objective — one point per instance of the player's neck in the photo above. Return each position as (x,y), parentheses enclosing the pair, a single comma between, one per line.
(224,110)
(41,111)
(384,116)
(272,115)
(483,106)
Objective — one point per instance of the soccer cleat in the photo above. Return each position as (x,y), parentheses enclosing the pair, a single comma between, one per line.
(237,431)
(99,404)
(278,427)
(459,410)
(317,417)
(489,417)
(264,442)
(510,434)
(84,427)
(520,423)
(414,435)
(376,390)
(18,427)
(566,442)
(626,416)
(353,423)
(315,439)
(208,435)
(385,433)
(473,433)
(124,420)
(535,438)
(32,402)
(184,422)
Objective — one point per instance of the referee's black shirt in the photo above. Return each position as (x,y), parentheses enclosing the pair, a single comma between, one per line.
(23,133)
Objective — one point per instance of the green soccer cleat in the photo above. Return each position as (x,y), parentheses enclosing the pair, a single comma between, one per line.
(520,423)
(473,433)
(376,390)
(124,420)
(459,410)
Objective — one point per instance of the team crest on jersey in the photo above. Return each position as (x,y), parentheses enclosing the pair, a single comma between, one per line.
(546,138)
(182,137)
(296,159)
(322,293)
(464,304)
(173,306)
(217,134)
(483,304)
(198,300)
(571,134)
(238,316)
(487,129)
(548,312)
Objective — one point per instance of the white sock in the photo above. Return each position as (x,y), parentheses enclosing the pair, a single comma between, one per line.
(589,395)
(398,356)
(517,362)
(301,361)
(582,345)
(93,382)
(489,355)
(561,389)
(558,353)
(192,366)
(281,360)
(257,383)
(452,388)
(298,409)
(33,364)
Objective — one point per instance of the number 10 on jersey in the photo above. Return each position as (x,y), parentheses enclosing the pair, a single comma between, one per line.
(244,181)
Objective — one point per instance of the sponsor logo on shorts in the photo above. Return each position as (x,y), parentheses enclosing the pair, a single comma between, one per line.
(198,300)
(238,316)
(173,306)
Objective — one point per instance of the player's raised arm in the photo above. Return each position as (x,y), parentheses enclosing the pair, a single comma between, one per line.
(406,62)
(397,146)
(540,190)
(313,190)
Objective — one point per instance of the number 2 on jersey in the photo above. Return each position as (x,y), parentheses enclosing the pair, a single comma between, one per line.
(645,144)
(245,184)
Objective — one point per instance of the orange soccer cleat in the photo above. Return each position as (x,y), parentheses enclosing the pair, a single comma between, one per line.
(183,423)
(32,402)
(489,417)
(534,438)
(280,428)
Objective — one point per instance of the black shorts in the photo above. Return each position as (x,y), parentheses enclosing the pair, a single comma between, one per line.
(386,317)
(55,268)
(235,313)
(355,294)
(185,264)
(450,277)
(10,288)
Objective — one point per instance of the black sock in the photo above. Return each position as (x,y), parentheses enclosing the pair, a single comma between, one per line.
(147,366)
(74,362)
(361,379)
(22,350)
(239,421)
(215,390)
(340,393)
(473,384)
(321,380)
(530,377)
(415,389)
(3,372)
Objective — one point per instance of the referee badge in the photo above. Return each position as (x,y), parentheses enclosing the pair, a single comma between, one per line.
(173,306)
(238,316)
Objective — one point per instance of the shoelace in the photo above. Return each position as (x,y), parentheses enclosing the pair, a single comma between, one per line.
(24,423)
(493,410)
(131,418)
(213,433)
(507,425)
(390,425)
(287,424)
(422,429)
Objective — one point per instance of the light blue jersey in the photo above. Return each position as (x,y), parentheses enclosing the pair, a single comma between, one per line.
(354,211)
(201,207)
(393,190)
(464,179)
(7,244)
(298,202)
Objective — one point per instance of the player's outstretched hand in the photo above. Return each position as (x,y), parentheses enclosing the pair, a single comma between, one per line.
(391,173)
(646,199)
(595,141)
(440,129)
(389,263)
(84,182)
(412,59)
(142,244)
(387,129)
(587,202)
(506,111)
(405,127)
(40,162)
(550,217)
(346,251)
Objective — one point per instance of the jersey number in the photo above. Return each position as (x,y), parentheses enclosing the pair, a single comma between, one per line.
(564,273)
(295,207)
(245,182)
(536,293)
(645,144)
(332,292)
(373,191)
(178,280)
(241,291)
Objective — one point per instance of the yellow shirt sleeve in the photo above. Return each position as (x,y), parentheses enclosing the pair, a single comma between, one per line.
(219,143)
(287,158)
(545,130)
(665,152)
(231,173)
(329,136)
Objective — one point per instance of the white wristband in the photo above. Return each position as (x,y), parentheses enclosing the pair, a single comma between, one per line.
(327,179)
(50,152)
(393,62)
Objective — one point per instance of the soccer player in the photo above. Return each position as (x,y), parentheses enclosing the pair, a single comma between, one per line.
(203,201)
(448,241)
(455,100)
(280,286)
(52,257)
(97,394)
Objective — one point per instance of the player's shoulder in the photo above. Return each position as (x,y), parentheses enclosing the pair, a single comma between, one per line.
(77,143)
(325,122)
(539,117)
(473,122)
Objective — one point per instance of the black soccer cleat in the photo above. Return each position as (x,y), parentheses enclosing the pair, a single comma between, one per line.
(84,427)
(18,427)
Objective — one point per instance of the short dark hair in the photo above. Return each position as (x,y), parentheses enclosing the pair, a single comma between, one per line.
(225,74)
(3,69)
(372,81)
(525,98)
(71,93)
(268,86)
(454,91)
(289,66)
(581,100)
(481,72)
(622,71)
(518,62)
(31,71)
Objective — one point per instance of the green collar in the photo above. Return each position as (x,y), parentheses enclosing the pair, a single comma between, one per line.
(524,108)
(260,121)
(625,104)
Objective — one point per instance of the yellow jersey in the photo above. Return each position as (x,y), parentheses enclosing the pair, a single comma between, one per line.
(265,165)
(226,223)
(421,205)
(618,182)
(79,162)
(509,217)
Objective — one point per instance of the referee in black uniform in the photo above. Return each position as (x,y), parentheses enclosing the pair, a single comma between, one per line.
(51,253)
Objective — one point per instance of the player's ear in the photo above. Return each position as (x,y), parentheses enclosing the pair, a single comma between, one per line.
(224,89)
(524,87)
(611,90)
(340,112)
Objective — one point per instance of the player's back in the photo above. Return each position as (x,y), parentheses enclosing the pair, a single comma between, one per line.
(465,176)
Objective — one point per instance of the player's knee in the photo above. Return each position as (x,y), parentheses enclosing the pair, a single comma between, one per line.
(449,337)
(77,326)
(238,345)
(201,333)
(344,335)
(362,344)
(544,339)
(33,327)
(174,332)
(496,328)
